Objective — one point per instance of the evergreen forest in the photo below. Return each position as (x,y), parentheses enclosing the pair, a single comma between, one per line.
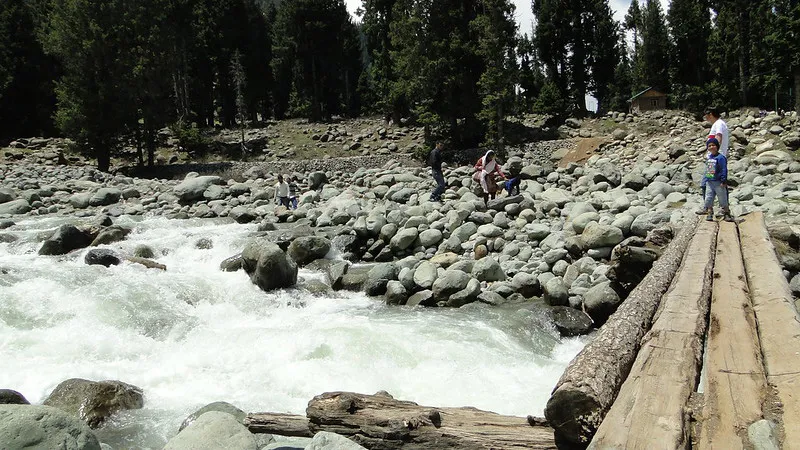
(108,73)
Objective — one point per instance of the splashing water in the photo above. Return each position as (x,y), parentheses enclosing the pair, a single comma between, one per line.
(194,334)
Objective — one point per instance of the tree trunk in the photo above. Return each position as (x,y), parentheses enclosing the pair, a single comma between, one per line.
(381,422)
(651,405)
(150,141)
(744,52)
(316,105)
(590,383)
(778,322)
(139,148)
(103,152)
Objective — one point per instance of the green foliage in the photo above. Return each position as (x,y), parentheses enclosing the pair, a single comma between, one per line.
(577,42)
(190,138)
(27,99)
(317,56)
(550,101)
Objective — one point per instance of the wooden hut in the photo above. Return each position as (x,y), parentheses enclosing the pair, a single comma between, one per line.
(648,100)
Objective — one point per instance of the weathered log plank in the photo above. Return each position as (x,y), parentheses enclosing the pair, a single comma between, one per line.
(381,422)
(590,384)
(735,384)
(650,410)
(776,316)
(277,423)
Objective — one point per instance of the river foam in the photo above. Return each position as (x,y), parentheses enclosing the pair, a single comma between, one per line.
(194,334)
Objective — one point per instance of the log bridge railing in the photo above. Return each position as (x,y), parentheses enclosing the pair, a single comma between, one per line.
(716,298)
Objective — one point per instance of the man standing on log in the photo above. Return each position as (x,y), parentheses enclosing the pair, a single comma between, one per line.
(435,161)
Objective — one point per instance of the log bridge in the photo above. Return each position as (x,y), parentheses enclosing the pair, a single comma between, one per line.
(715,303)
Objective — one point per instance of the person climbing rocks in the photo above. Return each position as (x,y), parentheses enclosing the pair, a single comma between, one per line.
(486,168)
(435,161)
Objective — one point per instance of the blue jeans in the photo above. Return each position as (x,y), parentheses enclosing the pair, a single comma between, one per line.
(440,184)
(715,188)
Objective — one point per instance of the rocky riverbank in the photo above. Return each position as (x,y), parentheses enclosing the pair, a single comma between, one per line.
(583,231)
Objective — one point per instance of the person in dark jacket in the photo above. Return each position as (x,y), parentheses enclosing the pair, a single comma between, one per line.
(716,181)
(435,161)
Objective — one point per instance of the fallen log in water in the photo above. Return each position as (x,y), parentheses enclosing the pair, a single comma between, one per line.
(381,422)
(592,380)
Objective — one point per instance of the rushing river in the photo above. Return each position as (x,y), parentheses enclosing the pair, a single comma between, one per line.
(194,334)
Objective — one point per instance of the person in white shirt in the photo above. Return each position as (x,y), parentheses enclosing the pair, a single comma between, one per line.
(282,192)
(719,130)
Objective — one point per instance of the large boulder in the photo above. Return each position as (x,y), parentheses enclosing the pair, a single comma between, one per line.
(102,257)
(425,275)
(316,180)
(94,401)
(43,427)
(649,221)
(378,277)
(325,440)
(305,249)
(404,239)
(7,195)
(450,282)
(223,407)
(570,321)
(66,239)
(105,196)
(268,266)
(555,292)
(192,188)
(19,206)
(109,235)
(600,302)
(214,430)
(12,397)
(597,236)
(488,269)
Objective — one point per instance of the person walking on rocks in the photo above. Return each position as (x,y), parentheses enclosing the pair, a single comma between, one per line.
(435,161)
(486,168)
(716,178)
(293,192)
(282,192)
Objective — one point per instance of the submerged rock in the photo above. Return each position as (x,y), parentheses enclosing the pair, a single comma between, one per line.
(94,401)
(268,266)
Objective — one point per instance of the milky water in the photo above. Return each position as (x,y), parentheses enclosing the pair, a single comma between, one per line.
(194,334)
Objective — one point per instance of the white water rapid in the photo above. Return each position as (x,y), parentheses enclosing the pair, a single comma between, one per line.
(194,334)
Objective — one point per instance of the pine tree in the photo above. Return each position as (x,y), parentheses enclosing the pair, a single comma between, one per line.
(438,66)
(605,53)
(531,78)
(654,53)
(95,102)
(497,41)
(690,29)
(27,99)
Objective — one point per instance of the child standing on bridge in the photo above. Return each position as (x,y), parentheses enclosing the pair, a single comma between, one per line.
(716,181)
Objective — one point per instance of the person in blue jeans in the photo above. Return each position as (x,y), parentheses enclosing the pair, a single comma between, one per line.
(715,180)
(435,161)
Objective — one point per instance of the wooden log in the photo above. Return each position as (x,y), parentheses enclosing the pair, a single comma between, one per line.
(650,410)
(590,383)
(277,423)
(735,386)
(776,316)
(381,422)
